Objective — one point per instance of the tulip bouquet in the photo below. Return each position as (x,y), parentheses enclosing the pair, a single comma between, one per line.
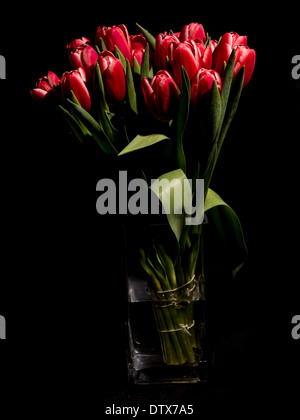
(168,99)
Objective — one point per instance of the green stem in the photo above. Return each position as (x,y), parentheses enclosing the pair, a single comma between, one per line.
(168,347)
(165,314)
(184,335)
(177,339)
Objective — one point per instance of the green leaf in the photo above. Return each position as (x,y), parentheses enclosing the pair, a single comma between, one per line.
(74,125)
(218,141)
(208,39)
(173,195)
(131,88)
(212,200)
(99,90)
(136,67)
(145,63)
(121,57)
(93,127)
(232,104)
(102,45)
(227,80)
(210,167)
(215,110)
(82,127)
(215,123)
(150,38)
(228,236)
(103,109)
(183,113)
(140,142)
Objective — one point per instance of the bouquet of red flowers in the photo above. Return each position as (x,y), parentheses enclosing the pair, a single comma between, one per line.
(161,106)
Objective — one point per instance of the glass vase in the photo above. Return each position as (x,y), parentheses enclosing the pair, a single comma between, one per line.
(166,333)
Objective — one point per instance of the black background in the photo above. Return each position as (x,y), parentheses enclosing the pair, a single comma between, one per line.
(63,265)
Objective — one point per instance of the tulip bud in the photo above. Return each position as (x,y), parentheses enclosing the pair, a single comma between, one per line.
(73,81)
(184,54)
(115,35)
(244,56)
(138,42)
(161,95)
(206,54)
(222,53)
(138,54)
(45,86)
(138,45)
(202,83)
(212,45)
(113,76)
(191,32)
(237,39)
(162,49)
(86,57)
(72,46)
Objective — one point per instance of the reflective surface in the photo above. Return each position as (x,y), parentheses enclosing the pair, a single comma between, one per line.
(166,338)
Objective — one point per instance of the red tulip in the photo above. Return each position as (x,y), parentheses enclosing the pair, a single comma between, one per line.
(138,42)
(222,52)
(237,39)
(73,81)
(161,95)
(138,54)
(115,35)
(86,57)
(212,45)
(138,45)
(72,46)
(162,43)
(244,56)
(184,54)
(113,76)
(44,86)
(206,54)
(202,83)
(191,32)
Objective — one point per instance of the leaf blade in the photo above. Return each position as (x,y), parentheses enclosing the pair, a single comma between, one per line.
(228,231)
(131,88)
(183,113)
(150,38)
(94,128)
(173,195)
(140,142)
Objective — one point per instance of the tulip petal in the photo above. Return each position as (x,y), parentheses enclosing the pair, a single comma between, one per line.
(38,94)
(53,79)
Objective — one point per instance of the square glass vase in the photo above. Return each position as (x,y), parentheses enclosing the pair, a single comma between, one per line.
(166,333)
